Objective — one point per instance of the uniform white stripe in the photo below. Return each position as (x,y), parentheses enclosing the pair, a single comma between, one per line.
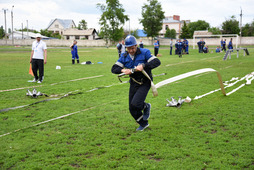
(119,64)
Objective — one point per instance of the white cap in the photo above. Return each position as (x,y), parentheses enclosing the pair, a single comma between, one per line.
(38,35)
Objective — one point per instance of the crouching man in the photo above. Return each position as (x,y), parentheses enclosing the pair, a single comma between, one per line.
(132,62)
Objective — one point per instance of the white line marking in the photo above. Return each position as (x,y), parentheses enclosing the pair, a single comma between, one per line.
(21,88)
(50,120)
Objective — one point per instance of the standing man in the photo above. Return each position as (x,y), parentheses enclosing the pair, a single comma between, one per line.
(156,48)
(230,44)
(37,59)
(180,48)
(74,52)
(202,45)
(171,46)
(186,45)
(132,63)
(141,45)
(224,46)
(119,47)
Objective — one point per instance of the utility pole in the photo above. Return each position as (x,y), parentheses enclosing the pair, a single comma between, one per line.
(27,28)
(22,30)
(12,25)
(129,26)
(241,15)
(4,9)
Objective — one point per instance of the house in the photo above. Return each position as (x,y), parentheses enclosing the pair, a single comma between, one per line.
(25,35)
(59,25)
(76,34)
(172,22)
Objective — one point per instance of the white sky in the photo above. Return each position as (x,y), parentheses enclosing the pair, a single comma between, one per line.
(39,13)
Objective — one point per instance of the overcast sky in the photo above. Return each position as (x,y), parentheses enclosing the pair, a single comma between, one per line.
(39,13)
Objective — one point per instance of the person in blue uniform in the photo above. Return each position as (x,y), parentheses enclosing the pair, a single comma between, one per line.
(205,49)
(230,44)
(176,47)
(156,47)
(132,62)
(179,48)
(141,45)
(221,44)
(199,47)
(218,49)
(119,47)
(74,52)
(224,45)
(186,45)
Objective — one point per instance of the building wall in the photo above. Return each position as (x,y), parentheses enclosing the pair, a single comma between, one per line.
(101,43)
(209,41)
(56,43)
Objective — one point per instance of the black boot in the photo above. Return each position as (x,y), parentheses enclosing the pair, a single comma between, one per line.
(78,61)
(73,61)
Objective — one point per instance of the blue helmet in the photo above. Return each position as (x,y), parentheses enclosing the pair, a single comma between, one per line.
(130,40)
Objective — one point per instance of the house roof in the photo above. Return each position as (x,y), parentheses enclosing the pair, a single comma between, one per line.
(66,23)
(30,34)
(141,33)
(171,20)
(75,31)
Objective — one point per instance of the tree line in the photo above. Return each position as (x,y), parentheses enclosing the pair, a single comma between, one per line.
(113,19)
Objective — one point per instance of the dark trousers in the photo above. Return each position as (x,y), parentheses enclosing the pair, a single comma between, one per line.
(38,64)
(156,50)
(137,96)
(224,47)
(171,50)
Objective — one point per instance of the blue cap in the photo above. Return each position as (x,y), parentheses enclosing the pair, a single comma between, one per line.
(130,40)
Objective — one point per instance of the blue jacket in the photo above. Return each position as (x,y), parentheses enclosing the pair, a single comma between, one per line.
(74,51)
(142,56)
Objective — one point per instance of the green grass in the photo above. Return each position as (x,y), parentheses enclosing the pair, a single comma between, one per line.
(214,132)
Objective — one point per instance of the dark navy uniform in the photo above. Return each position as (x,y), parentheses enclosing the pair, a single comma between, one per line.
(139,84)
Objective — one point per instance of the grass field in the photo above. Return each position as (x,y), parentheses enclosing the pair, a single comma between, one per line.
(214,132)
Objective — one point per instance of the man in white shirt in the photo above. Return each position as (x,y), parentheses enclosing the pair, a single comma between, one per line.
(38,58)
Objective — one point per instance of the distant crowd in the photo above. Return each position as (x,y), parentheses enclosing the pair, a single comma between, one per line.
(181,47)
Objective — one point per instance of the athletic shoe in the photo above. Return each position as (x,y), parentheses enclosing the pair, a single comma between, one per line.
(34,80)
(141,128)
(147,111)
(39,81)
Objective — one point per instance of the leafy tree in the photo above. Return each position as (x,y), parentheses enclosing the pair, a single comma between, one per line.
(214,30)
(231,26)
(197,26)
(173,33)
(152,18)
(185,31)
(29,30)
(170,33)
(47,33)
(248,29)
(2,33)
(112,20)
(82,25)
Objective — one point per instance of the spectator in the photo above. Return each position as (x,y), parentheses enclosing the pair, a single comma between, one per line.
(218,49)
(141,45)
(37,59)
(74,52)
(156,48)
(171,46)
